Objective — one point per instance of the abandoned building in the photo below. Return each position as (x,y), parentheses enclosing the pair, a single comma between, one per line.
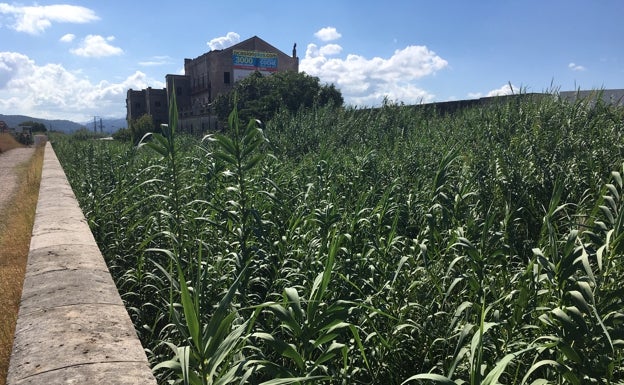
(206,77)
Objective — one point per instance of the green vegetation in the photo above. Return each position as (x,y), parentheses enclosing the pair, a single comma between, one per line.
(261,97)
(138,128)
(123,134)
(34,126)
(383,246)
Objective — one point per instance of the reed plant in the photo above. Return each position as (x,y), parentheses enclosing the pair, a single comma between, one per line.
(371,246)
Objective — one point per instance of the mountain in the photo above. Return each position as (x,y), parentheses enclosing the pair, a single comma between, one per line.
(108,125)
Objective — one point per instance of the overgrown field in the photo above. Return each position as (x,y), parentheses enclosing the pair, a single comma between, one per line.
(387,246)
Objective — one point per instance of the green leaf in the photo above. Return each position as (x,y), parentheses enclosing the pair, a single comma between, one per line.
(294,380)
(324,339)
(617,177)
(565,319)
(251,163)
(287,319)
(430,377)
(321,282)
(358,341)
(569,352)
(190,314)
(494,374)
(183,355)
(579,300)
(587,292)
(226,347)
(226,145)
(226,157)
(559,367)
(292,296)
(281,347)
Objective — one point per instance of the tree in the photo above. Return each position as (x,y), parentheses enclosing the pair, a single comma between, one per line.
(34,126)
(260,97)
(141,126)
(123,134)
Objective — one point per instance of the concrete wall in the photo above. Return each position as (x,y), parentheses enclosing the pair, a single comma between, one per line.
(72,326)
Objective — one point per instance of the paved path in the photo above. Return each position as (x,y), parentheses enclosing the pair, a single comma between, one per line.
(8,171)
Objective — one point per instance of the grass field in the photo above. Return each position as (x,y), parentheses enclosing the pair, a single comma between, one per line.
(385,246)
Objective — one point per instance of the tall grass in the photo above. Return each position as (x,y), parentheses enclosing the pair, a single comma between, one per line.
(383,246)
(8,142)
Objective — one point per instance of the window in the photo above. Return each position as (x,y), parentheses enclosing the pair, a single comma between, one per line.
(157,104)
(178,91)
(226,77)
(137,105)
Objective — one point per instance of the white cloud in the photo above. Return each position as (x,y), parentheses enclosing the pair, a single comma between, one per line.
(36,19)
(97,46)
(50,91)
(365,81)
(576,67)
(156,61)
(68,38)
(328,34)
(507,89)
(224,41)
(330,49)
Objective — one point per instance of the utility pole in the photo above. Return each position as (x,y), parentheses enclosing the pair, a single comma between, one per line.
(95,117)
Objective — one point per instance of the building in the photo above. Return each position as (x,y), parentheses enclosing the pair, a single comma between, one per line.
(610,96)
(206,77)
(149,101)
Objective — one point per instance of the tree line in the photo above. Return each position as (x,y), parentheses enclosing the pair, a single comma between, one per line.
(256,96)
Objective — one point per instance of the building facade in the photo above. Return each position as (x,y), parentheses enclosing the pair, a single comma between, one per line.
(150,101)
(205,78)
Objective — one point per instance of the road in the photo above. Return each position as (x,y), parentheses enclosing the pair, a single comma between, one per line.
(8,171)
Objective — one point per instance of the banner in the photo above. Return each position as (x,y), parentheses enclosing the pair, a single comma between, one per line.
(247,62)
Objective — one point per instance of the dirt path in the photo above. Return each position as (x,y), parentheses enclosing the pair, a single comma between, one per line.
(8,173)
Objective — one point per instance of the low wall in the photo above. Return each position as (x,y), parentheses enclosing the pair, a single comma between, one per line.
(72,326)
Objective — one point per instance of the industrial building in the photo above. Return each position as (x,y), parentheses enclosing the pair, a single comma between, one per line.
(206,77)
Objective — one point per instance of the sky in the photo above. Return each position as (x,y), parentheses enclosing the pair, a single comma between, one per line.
(76,59)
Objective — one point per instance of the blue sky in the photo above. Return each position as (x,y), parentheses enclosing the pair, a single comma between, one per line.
(76,59)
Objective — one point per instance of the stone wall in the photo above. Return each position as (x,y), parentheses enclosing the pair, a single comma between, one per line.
(72,326)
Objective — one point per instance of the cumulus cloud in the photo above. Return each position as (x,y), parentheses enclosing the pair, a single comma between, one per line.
(364,81)
(156,61)
(50,91)
(507,89)
(97,46)
(224,41)
(328,34)
(68,38)
(576,67)
(330,49)
(36,19)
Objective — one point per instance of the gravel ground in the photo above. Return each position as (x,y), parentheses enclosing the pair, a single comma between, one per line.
(8,176)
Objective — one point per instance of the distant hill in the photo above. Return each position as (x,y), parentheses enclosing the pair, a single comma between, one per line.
(108,125)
